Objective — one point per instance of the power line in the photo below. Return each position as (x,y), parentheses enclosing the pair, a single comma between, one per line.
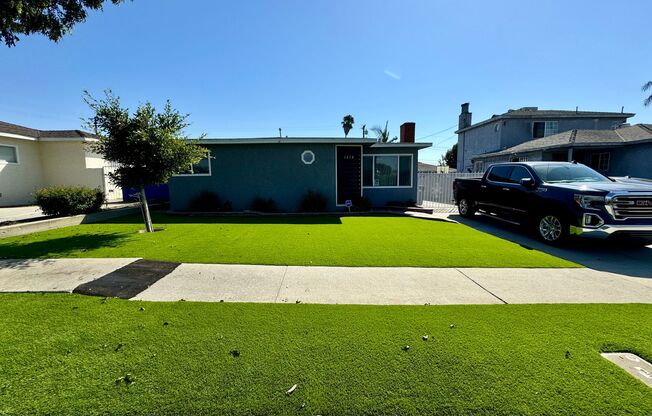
(439,132)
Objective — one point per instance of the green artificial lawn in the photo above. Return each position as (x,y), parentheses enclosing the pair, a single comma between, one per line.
(306,240)
(62,354)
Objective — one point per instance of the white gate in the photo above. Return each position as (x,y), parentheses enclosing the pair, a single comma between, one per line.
(436,190)
(112,192)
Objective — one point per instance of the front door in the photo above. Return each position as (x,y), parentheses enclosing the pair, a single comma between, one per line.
(349,170)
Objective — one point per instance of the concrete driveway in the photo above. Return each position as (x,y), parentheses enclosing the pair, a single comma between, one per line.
(598,255)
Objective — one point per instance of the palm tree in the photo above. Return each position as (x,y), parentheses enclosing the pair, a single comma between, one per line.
(347,124)
(647,86)
(382,134)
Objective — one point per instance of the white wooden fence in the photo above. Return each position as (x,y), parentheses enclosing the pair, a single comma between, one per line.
(436,190)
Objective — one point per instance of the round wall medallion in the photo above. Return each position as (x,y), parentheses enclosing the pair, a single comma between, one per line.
(307,157)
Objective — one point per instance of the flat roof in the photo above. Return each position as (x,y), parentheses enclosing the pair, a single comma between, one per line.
(310,140)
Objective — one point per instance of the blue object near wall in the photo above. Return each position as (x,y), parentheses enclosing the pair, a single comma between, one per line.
(153,192)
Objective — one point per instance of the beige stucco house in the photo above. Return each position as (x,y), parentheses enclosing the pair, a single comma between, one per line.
(31,159)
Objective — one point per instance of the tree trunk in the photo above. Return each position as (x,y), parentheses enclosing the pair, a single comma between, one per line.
(145,208)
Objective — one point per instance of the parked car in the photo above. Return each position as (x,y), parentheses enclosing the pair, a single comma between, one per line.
(560,199)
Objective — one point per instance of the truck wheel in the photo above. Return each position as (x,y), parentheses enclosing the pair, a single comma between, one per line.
(465,208)
(552,228)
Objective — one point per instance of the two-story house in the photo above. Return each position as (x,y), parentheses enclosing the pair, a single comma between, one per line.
(514,127)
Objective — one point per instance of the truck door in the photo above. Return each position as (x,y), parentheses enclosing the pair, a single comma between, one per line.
(496,189)
(520,196)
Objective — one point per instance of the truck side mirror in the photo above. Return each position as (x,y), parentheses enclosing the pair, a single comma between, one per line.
(527,182)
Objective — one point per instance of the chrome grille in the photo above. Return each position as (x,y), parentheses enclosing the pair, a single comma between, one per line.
(631,206)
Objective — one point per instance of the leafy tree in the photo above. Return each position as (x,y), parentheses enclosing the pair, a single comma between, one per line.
(147,146)
(382,134)
(450,157)
(52,18)
(647,86)
(347,124)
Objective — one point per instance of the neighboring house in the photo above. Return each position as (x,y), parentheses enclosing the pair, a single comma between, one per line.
(31,159)
(518,126)
(285,169)
(626,151)
(426,167)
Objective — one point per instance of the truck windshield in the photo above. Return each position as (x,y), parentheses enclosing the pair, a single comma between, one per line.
(556,173)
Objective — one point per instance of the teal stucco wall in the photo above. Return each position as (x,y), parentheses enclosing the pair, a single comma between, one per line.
(241,172)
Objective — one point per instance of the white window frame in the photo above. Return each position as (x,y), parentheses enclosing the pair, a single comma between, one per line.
(373,171)
(17,162)
(548,130)
(210,172)
(305,153)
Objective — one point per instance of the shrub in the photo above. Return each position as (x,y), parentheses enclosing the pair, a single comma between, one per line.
(69,200)
(361,204)
(206,201)
(313,202)
(263,205)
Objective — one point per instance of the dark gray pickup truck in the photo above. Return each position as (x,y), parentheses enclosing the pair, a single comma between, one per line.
(560,199)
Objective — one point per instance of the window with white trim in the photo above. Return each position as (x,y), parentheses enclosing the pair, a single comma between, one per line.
(8,154)
(544,128)
(387,171)
(203,167)
(307,157)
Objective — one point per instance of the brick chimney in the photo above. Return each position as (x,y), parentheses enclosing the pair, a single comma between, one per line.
(407,132)
(465,117)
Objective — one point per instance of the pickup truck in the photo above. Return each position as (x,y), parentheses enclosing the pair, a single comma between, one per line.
(560,199)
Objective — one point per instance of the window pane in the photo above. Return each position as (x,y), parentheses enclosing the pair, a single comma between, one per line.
(405,171)
(500,173)
(368,171)
(386,170)
(201,167)
(519,173)
(551,127)
(538,129)
(8,154)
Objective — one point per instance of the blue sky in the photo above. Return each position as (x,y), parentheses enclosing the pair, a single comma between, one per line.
(246,68)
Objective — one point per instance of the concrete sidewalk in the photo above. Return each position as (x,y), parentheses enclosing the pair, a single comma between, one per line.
(339,285)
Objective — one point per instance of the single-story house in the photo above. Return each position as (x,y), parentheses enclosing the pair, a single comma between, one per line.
(31,159)
(286,169)
(626,151)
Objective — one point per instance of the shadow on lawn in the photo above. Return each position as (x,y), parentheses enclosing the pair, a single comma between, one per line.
(57,247)
(292,219)
(608,256)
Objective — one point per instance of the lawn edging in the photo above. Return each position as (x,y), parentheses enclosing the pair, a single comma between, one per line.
(14,230)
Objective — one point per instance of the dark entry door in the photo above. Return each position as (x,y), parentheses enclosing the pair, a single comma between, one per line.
(349,167)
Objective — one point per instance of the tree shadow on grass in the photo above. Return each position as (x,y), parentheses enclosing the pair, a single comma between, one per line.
(189,218)
(58,247)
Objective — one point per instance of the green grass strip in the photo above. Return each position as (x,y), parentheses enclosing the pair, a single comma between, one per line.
(319,240)
(69,354)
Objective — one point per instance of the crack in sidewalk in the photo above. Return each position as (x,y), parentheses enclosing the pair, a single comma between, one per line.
(278,292)
(482,287)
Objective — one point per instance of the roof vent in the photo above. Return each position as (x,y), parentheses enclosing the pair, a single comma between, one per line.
(528,109)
